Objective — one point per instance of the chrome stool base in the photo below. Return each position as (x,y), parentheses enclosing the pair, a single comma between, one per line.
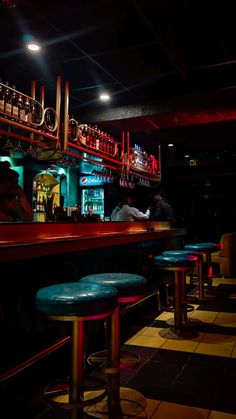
(132,403)
(56,393)
(185,334)
(191,322)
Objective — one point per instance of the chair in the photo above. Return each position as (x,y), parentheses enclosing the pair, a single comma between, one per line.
(131,288)
(180,265)
(76,303)
(226,256)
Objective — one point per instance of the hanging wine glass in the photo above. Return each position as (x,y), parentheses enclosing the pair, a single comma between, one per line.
(30,152)
(18,151)
(8,147)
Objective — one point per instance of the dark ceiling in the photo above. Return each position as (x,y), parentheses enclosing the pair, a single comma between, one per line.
(140,51)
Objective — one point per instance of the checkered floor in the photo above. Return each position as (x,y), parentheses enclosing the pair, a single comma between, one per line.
(180,378)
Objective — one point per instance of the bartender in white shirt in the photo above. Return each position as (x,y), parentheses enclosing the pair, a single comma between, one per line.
(129,213)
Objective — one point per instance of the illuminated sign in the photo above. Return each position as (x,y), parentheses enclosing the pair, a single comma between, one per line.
(90,181)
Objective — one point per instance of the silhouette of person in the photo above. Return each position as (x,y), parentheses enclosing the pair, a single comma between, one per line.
(14,205)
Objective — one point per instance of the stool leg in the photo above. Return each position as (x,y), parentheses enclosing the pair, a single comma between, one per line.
(77,368)
(209,269)
(178,304)
(200,276)
(113,397)
(183,292)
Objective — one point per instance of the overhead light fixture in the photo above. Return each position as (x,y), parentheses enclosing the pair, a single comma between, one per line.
(33,46)
(170,145)
(104,97)
(186,155)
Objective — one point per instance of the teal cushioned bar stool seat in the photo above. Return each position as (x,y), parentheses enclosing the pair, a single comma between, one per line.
(184,252)
(180,265)
(204,249)
(76,303)
(131,288)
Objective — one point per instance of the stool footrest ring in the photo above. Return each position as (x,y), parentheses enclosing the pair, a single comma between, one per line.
(56,393)
(128,359)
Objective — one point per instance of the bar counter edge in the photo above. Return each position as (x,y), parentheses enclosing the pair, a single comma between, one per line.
(27,240)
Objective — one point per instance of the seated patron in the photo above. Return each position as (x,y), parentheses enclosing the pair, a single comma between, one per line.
(161,210)
(130,213)
(14,205)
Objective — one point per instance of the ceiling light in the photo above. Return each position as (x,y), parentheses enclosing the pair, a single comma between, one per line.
(104,97)
(171,145)
(186,155)
(33,46)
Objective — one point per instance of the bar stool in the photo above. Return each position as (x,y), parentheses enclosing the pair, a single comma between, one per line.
(76,303)
(204,249)
(199,256)
(125,401)
(180,265)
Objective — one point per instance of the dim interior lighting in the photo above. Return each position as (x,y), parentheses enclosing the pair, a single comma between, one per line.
(186,155)
(171,145)
(33,46)
(104,97)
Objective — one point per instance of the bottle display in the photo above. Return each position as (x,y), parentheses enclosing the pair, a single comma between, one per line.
(45,197)
(93,199)
(94,138)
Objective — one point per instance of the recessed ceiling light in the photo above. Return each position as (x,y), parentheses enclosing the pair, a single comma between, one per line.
(104,97)
(33,46)
(171,145)
(186,155)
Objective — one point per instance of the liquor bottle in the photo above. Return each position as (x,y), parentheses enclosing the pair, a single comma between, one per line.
(15,107)
(28,112)
(48,123)
(2,98)
(88,136)
(84,134)
(34,113)
(97,136)
(72,129)
(21,108)
(8,101)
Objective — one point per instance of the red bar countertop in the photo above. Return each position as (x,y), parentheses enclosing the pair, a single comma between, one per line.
(26,240)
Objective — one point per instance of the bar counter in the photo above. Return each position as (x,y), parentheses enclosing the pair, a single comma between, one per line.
(34,255)
(26,240)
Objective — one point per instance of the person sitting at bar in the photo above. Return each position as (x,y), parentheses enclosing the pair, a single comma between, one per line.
(92,217)
(161,210)
(116,210)
(14,205)
(130,213)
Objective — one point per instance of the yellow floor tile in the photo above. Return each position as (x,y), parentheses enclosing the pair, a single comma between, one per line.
(182,345)
(233,354)
(150,331)
(217,350)
(221,415)
(151,407)
(165,316)
(226,319)
(149,341)
(204,316)
(134,336)
(218,339)
(178,411)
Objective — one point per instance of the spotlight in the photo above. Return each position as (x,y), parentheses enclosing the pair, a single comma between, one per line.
(33,46)
(104,97)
